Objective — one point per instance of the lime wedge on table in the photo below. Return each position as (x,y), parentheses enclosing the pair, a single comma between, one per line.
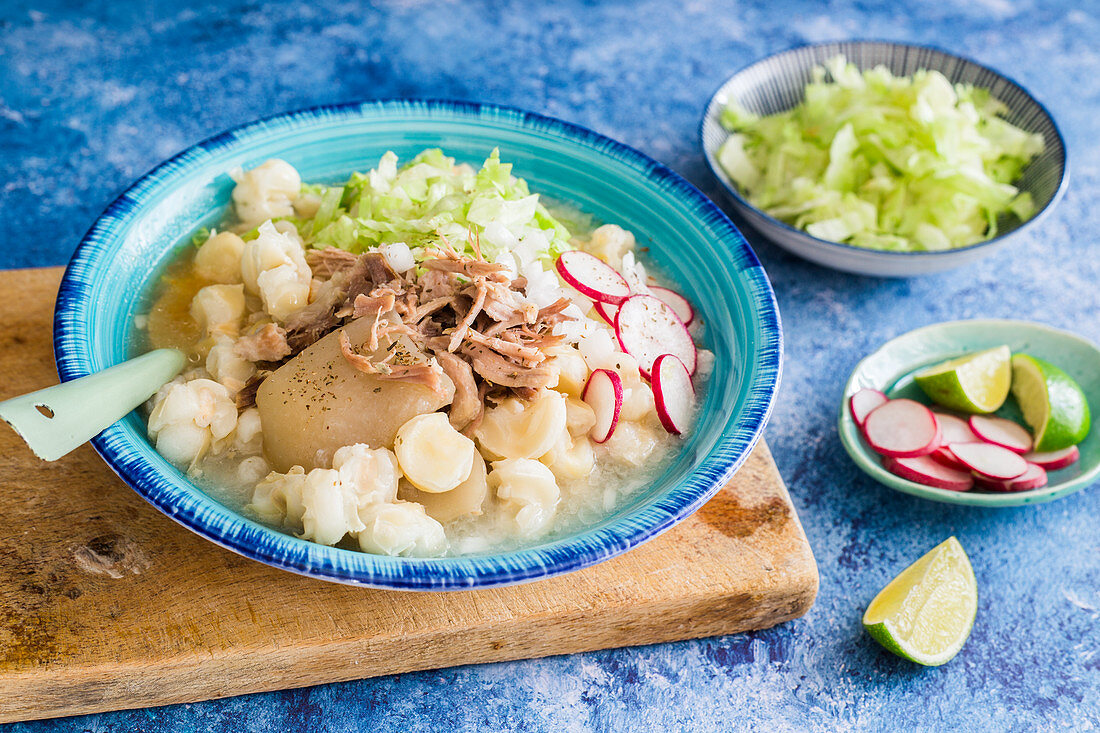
(926,613)
(976,382)
(1053,404)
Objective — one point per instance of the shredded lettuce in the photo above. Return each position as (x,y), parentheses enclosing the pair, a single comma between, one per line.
(884,162)
(428,197)
(330,209)
(200,236)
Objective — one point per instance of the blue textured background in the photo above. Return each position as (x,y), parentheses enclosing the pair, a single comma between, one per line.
(92,94)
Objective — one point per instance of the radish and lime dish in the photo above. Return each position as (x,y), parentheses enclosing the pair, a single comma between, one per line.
(960,445)
(422,360)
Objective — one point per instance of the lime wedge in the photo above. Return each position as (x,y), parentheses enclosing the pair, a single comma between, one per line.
(926,613)
(976,382)
(1053,404)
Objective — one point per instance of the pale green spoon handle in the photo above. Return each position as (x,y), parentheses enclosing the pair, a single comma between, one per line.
(56,420)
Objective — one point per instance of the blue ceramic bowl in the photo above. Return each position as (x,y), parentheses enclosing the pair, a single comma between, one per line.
(689,240)
(776,83)
(891,367)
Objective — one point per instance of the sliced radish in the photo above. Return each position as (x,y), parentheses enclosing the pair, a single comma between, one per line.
(592,276)
(606,311)
(902,429)
(677,302)
(945,457)
(1035,477)
(924,470)
(604,394)
(862,402)
(673,393)
(648,327)
(991,461)
(1002,432)
(1053,460)
(955,429)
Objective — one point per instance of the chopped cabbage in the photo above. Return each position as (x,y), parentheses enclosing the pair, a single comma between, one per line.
(884,162)
(200,236)
(431,196)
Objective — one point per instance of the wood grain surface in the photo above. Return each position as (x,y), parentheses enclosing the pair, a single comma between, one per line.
(107,604)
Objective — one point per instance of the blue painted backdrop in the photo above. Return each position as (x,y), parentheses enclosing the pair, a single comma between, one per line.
(92,94)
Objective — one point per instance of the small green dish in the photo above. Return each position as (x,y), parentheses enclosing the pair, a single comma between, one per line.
(891,369)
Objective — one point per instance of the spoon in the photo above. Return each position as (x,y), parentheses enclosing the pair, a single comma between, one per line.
(56,420)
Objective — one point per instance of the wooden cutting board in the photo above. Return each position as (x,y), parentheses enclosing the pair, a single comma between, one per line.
(106,604)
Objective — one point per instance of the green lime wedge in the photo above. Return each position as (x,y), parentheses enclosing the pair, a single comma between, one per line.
(925,614)
(1053,404)
(976,382)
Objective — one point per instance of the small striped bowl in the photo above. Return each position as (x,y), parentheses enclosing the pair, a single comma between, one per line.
(776,83)
(688,239)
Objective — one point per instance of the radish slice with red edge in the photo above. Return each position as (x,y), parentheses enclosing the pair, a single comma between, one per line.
(955,429)
(675,301)
(862,402)
(1002,432)
(606,311)
(604,394)
(902,429)
(648,327)
(945,457)
(989,460)
(924,470)
(1035,477)
(592,276)
(1053,460)
(673,393)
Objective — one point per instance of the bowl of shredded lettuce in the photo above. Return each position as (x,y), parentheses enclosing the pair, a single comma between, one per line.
(882,158)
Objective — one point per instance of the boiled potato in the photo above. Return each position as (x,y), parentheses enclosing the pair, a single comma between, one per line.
(318,402)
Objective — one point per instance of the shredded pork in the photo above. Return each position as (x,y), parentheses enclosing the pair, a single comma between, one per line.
(327,262)
(468,318)
(267,344)
(466,408)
